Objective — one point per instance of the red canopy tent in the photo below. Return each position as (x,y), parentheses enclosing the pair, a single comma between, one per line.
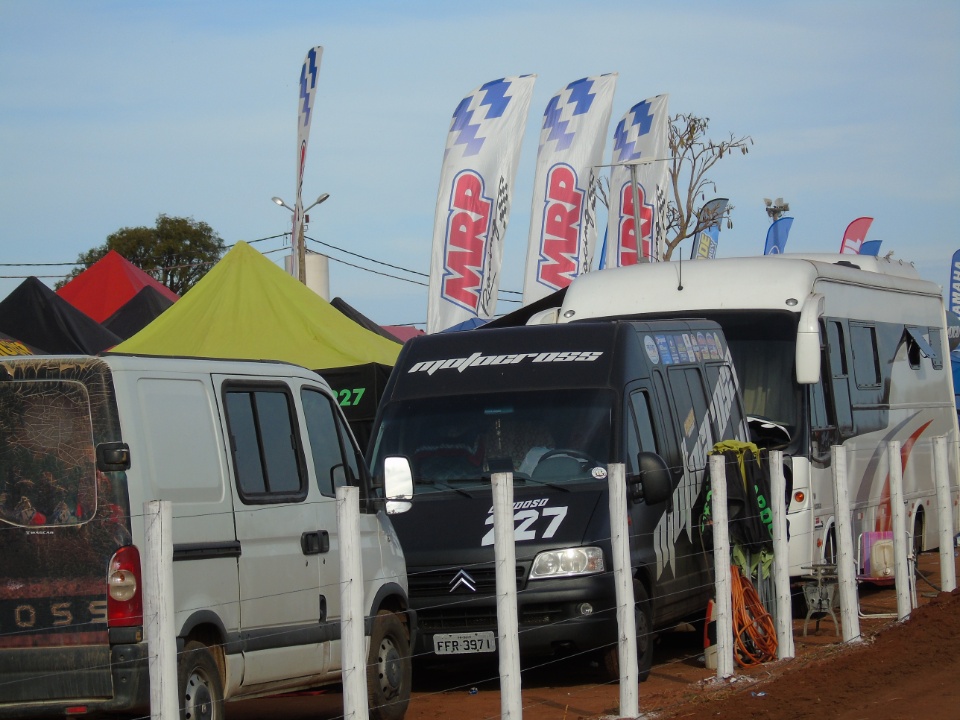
(107,285)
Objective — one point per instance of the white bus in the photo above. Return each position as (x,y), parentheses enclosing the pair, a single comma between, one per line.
(829,350)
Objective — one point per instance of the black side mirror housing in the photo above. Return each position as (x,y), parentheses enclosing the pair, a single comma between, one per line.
(113,456)
(652,483)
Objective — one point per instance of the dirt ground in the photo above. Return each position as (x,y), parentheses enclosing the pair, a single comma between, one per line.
(899,670)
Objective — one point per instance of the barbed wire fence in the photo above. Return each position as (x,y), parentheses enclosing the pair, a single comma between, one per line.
(848,569)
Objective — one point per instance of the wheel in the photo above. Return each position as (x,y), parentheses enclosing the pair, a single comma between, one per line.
(201,688)
(389,672)
(644,620)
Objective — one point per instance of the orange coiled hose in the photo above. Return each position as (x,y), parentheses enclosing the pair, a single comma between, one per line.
(755,636)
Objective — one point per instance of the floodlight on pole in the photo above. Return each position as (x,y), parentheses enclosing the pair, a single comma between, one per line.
(776,208)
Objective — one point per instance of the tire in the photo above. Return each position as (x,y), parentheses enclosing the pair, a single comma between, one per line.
(201,687)
(389,669)
(830,547)
(644,620)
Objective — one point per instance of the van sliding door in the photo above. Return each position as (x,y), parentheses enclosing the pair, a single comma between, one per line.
(280,607)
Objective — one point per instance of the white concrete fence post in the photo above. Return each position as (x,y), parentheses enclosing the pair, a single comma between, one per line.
(846,561)
(781,557)
(721,566)
(158,611)
(626,602)
(508,632)
(948,568)
(901,564)
(352,642)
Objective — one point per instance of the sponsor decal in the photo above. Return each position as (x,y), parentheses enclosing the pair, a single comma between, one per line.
(560,237)
(685,495)
(467,246)
(650,345)
(525,520)
(481,360)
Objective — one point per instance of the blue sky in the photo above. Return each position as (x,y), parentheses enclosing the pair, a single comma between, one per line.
(114,112)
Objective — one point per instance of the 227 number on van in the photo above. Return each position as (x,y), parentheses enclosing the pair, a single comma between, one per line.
(524,524)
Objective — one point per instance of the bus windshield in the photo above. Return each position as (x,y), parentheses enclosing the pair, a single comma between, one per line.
(554,436)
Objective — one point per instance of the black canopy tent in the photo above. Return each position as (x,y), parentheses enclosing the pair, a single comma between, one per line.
(134,315)
(36,315)
(358,389)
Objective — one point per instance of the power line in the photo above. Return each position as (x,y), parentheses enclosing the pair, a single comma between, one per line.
(263,239)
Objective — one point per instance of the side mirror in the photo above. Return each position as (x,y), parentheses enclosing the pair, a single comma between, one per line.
(113,456)
(808,340)
(653,483)
(397,484)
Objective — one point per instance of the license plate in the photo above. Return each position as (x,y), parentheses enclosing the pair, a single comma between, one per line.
(463,643)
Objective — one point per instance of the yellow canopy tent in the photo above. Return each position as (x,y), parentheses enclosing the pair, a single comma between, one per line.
(246,307)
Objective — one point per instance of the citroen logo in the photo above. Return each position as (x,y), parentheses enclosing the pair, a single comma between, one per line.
(463,578)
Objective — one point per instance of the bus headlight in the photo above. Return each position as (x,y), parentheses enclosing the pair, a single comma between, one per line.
(567,562)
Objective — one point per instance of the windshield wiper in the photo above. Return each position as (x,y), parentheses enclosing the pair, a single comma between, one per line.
(446,485)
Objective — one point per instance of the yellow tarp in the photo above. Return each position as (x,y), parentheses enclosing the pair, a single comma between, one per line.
(248,308)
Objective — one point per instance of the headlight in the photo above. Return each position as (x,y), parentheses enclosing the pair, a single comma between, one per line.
(566,562)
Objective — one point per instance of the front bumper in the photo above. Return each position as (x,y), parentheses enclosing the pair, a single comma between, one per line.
(555,617)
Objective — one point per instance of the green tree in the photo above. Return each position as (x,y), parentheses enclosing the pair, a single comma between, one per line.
(692,155)
(177,251)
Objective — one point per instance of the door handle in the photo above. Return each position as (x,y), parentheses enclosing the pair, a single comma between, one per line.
(315,543)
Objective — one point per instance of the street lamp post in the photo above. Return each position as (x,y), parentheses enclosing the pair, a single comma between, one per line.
(299,245)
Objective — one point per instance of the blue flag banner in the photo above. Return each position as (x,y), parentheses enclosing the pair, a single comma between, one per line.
(955,283)
(870,247)
(777,236)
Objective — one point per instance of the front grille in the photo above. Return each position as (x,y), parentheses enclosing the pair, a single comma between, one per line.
(432,582)
(455,618)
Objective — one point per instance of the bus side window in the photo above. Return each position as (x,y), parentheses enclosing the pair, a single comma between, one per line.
(839,378)
(866,364)
(822,431)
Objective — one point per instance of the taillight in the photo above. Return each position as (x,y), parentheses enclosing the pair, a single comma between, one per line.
(799,496)
(124,595)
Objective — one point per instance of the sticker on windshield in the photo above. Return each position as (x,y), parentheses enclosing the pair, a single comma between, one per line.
(651,347)
(599,473)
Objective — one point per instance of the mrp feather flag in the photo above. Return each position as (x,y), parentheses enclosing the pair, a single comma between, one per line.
(563,224)
(308,91)
(641,139)
(854,236)
(473,203)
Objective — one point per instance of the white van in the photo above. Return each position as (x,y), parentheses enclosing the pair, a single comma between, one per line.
(250,455)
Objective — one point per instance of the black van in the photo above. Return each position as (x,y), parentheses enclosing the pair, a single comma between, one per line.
(556,405)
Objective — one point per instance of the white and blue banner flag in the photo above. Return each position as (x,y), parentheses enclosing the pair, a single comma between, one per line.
(955,284)
(705,242)
(305,104)
(473,203)
(642,138)
(563,221)
(777,236)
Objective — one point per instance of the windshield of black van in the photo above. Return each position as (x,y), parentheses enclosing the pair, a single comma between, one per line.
(549,437)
